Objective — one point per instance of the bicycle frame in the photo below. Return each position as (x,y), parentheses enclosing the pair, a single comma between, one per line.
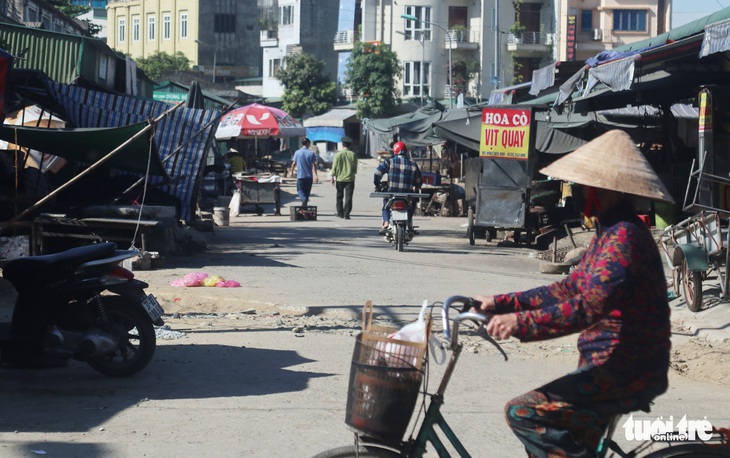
(433,417)
(416,447)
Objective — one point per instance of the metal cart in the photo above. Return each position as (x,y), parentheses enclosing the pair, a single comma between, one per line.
(257,190)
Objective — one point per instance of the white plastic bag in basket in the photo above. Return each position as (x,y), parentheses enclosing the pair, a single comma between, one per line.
(416,332)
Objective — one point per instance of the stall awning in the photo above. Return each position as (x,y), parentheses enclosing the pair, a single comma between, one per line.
(91,144)
(542,78)
(333,118)
(717,38)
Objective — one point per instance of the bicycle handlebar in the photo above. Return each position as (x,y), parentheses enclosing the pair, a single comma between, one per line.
(482,319)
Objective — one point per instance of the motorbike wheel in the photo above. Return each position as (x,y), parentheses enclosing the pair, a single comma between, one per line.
(135,335)
(400,236)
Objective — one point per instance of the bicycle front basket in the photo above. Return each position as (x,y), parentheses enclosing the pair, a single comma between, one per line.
(384,387)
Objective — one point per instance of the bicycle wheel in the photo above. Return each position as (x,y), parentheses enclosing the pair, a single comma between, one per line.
(692,450)
(365,451)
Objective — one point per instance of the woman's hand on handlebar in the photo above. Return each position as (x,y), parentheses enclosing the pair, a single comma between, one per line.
(486,304)
(499,326)
(502,326)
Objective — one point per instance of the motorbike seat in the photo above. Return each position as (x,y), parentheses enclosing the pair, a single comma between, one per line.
(25,273)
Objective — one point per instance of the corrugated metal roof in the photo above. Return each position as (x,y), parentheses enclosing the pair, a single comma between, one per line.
(56,54)
(333,118)
(66,58)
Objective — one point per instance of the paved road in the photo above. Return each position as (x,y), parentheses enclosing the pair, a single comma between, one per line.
(332,263)
(243,384)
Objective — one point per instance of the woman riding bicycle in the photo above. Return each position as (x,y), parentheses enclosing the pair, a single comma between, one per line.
(616,297)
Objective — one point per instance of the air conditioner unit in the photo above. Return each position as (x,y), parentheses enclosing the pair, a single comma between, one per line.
(597,34)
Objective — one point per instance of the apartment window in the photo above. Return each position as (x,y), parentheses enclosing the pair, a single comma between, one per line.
(183,25)
(414,29)
(629,20)
(31,14)
(122,29)
(166,27)
(274,65)
(46,21)
(151,27)
(225,23)
(286,15)
(586,20)
(415,77)
(135,28)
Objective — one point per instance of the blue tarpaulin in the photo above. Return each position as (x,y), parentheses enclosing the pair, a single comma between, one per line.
(325,134)
(182,138)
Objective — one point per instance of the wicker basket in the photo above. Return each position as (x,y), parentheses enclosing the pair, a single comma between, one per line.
(385,377)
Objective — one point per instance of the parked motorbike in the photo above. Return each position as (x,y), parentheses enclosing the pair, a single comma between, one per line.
(398,234)
(80,304)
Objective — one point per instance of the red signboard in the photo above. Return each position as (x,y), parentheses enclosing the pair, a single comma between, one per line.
(570,38)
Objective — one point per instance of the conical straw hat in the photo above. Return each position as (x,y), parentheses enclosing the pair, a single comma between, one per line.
(611,161)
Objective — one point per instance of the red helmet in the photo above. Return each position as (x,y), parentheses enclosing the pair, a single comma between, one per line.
(399,148)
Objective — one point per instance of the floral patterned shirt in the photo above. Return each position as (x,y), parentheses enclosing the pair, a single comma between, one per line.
(616,297)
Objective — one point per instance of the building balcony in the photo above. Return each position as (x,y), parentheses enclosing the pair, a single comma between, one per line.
(530,43)
(345,40)
(269,38)
(462,39)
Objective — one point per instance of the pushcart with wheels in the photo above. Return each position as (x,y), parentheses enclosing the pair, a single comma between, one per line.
(259,190)
(696,248)
(501,195)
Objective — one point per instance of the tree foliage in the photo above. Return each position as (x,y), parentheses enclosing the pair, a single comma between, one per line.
(65,7)
(372,73)
(160,61)
(73,11)
(306,88)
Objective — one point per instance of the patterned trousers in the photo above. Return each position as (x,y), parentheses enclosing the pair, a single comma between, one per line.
(568,416)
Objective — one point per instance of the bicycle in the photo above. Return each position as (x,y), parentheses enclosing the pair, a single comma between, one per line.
(368,446)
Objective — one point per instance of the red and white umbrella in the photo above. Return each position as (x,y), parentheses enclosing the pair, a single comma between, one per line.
(258,121)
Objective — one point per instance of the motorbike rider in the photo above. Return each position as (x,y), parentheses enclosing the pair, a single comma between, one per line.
(403,176)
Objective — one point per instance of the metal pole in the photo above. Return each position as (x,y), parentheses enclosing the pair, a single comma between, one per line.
(411,17)
(423,62)
(215,53)
(496,43)
(451,79)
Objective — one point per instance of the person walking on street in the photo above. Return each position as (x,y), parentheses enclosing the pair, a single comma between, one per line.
(305,163)
(616,297)
(403,176)
(344,169)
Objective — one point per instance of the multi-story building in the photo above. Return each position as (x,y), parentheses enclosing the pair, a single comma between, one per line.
(39,15)
(291,26)
(221,37)
(460,31)
(585,28)
(496,43)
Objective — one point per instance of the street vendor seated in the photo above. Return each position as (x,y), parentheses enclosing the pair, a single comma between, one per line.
(236,161)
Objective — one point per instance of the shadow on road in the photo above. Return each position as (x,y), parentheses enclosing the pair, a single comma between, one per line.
(76,398)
